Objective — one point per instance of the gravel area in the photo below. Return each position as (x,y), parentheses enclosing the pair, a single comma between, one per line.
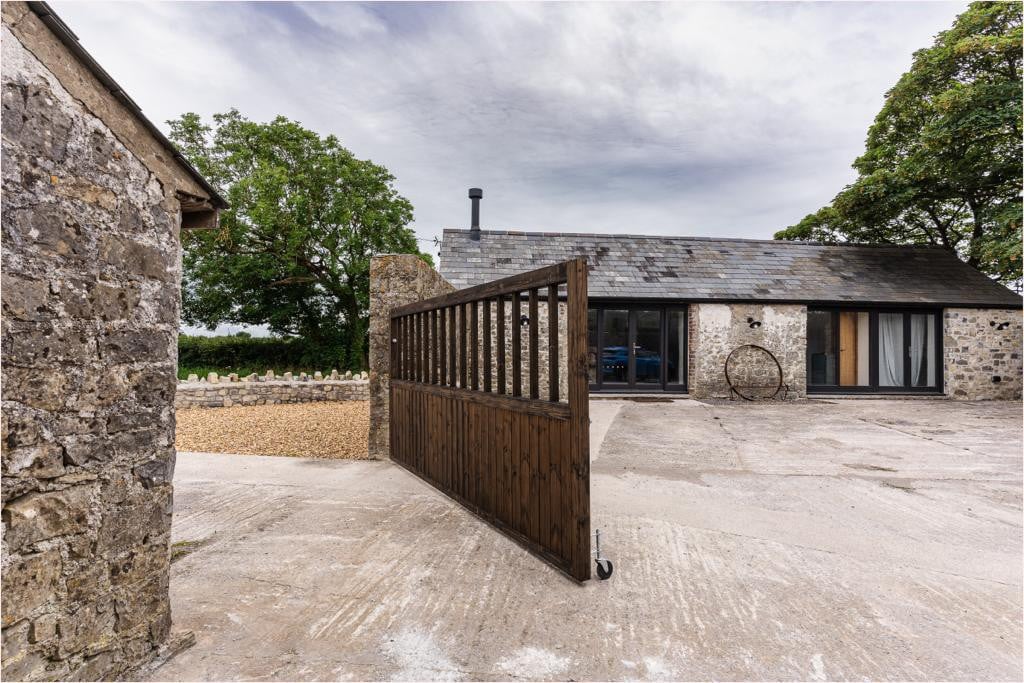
(318,430)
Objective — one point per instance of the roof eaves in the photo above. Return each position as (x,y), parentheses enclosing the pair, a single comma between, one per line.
(70,40)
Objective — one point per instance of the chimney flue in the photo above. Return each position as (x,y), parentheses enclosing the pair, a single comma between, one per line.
(475,195)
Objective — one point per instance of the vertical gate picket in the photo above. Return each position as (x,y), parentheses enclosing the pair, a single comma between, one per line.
(553,343)
(487,344)
(534,361)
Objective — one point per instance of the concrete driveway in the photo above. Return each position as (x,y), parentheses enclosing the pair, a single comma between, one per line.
(815,540)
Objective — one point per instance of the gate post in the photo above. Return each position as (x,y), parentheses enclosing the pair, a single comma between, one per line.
(395,279)
(579,407)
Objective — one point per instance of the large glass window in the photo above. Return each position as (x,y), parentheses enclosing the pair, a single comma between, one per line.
(890,349)
(854,348)
(615,347)
(821,343)
(592,345)
(839,348)
(884,350)
(637,347)
(647,347)
(922,350)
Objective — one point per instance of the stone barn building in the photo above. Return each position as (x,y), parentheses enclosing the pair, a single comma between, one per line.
(94,198)
(666,313)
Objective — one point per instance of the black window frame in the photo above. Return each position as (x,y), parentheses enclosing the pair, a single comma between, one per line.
(631,386)
(873,387)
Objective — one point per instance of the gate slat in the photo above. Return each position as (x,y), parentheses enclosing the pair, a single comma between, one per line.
(487,344)
(462,346)
(534,360)
(552,342)
(500,320)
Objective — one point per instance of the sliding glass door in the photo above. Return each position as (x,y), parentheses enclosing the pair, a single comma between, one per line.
(890,350)
(873,350)
(636,347)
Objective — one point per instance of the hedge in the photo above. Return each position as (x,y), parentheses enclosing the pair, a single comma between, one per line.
(264,353)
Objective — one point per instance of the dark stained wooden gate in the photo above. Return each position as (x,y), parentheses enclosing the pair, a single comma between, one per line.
(471,415)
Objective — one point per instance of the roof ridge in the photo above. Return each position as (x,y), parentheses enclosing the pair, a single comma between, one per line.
(700,238)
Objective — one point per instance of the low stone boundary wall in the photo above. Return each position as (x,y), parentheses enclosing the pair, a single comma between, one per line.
(216,392)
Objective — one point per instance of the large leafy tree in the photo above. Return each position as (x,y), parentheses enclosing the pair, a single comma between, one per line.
(943,158)
(293,251)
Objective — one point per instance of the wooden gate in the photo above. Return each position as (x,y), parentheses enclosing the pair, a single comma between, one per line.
(470,419)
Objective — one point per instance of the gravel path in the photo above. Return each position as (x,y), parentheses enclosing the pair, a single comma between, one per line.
(319,430)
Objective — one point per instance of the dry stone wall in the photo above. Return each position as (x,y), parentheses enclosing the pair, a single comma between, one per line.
(982,350)
(90,304)
(224,392)
(717,329)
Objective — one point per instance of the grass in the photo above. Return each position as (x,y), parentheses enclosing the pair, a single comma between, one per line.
(183,548)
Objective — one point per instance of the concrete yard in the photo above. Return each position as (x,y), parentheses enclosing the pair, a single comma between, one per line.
(841,539)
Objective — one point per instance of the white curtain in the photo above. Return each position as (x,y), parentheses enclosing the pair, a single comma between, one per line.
(890,351)
(918,360)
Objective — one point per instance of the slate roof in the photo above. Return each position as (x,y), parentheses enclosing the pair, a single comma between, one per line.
(713,269)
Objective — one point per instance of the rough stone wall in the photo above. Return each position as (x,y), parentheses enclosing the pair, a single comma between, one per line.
(90,304)
(976,353)
(395,280)
(221,395)
(717,329)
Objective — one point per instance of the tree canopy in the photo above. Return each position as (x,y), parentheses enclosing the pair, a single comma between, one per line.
(293,250)
(942,164)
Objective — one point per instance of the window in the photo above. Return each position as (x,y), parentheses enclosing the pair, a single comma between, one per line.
(839,348)
(636,346)
(592,345)
(873,350)
(923,360)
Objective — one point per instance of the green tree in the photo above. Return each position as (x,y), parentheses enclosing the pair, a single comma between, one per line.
(293,251)
(943,159)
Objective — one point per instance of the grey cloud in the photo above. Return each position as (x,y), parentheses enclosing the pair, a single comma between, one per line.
(680,118)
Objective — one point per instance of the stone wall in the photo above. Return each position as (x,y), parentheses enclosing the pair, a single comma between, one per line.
(717,329)
(395,279)
(248,392)
(90,305)
(982,362)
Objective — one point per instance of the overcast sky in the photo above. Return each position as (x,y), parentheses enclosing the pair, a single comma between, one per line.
(732,120)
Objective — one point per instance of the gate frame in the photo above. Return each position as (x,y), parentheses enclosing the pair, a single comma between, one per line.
(423,362)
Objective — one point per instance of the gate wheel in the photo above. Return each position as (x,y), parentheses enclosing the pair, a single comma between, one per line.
(604,569)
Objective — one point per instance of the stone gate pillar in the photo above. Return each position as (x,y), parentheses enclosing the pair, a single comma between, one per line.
(395,280)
